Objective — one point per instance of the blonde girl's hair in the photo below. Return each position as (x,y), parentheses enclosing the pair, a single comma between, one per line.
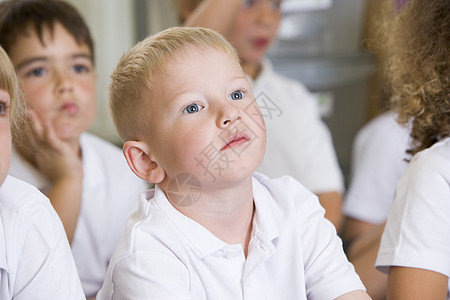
(132,80)
(8,83)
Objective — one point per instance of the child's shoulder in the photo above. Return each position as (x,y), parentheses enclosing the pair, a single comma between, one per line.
(286,92)
(435,159)
(104,160)
(21,203)
(19,193)
(271,77)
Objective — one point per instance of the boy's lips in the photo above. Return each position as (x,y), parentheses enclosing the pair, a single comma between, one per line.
(260,42)
(235,140)
(70,107)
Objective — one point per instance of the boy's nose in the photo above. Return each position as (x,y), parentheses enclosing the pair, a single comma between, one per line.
(228,116)
(63,83)
(265,14)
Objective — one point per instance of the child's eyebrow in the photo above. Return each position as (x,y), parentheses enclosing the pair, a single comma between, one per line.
(30,61)
(44,58)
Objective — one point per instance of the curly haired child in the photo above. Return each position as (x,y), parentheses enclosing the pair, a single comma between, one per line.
(415,246)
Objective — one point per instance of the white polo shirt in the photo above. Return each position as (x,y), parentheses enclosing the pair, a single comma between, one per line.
(417,232)
(294,252)
(299,144)
(35,258)
(110,195)
(378,162)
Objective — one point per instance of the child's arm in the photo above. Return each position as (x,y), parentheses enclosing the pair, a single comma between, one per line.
(413,283)
(61,164)
(332,202)
(218,15)
(354,295)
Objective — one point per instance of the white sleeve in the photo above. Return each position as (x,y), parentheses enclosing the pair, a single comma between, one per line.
(378,161)
(46,267)
(417,233)
(328,273)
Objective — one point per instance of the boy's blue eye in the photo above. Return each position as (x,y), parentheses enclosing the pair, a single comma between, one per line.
(37,72)
(237,95)
(80,68)
(192,108)
(248,3)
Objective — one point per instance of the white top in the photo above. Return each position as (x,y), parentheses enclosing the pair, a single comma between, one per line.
(35,258)
(110,196)
(378,162)
(299,143)
(417,232)
(294,252)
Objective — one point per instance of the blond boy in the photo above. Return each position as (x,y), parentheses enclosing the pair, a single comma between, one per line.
(211,228)
(299,143)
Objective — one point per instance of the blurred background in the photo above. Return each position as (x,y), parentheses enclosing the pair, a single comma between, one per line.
(320,43)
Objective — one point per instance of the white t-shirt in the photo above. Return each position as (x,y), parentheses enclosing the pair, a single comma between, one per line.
(417,232)
(294,252)
(35,258)
(110,195)
(378,162)
(299,143)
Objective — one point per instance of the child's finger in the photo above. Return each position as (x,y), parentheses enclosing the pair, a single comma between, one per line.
(35,123)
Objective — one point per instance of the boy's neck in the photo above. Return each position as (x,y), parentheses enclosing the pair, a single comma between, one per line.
(251,69)
(226,213)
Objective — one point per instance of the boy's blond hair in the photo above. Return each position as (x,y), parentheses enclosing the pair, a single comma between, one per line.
(131,85)
(8,83)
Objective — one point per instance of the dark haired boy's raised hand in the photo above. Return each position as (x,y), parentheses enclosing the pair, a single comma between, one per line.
(61,164)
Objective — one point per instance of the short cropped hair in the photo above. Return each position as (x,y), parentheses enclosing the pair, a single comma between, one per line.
(17,17)
(131,85)
(8,83)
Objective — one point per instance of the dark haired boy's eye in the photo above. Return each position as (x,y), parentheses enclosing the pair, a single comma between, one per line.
(81,69)
(37,72)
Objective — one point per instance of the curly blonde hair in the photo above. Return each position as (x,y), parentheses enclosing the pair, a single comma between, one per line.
(416,42)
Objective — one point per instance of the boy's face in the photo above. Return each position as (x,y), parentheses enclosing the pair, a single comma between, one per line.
(255,28)
(58,80)
(204,119)
(5,135)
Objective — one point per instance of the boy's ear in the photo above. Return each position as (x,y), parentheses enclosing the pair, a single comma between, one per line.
(141,163)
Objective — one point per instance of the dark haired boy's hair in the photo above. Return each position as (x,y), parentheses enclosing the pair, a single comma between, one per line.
(18,17)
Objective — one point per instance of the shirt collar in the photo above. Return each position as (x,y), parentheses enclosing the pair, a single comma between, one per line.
(202,240)
(264,219)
